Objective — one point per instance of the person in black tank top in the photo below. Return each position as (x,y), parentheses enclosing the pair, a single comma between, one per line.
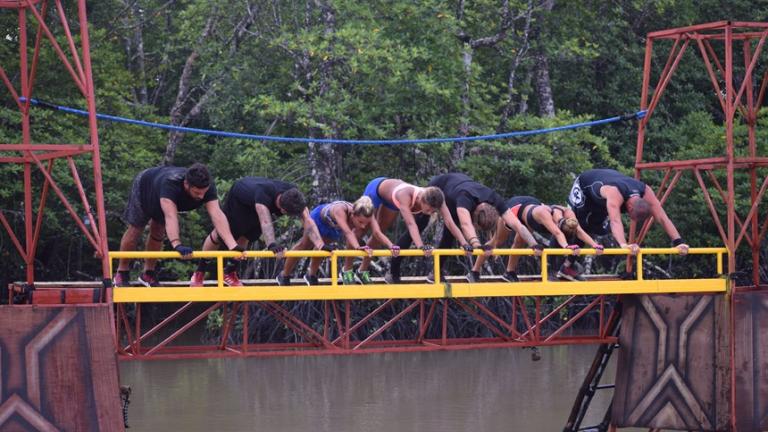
(470,204)
(600,196)
(251,206)
(157,197)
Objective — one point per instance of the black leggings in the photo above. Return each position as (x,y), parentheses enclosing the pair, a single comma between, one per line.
(405,241)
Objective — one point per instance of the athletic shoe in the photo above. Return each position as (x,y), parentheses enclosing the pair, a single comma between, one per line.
(311,279)
(121,278)
(392,278)
(148,278)
(348,277)
(198,279)
(232,280)
(510,276)
(473,276)
(431,277)
(363,277)
(283,280)
(569,273)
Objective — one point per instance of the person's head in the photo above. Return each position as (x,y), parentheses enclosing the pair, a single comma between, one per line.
(197,180)
(431,199)
(362,212)
(291,202)
(485,217)
(568,226)
(638,209)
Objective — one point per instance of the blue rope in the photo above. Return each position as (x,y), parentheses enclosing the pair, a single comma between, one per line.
(630,116)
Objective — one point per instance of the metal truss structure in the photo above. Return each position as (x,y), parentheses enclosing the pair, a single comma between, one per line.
(53,30)
(734,85)
(341,319)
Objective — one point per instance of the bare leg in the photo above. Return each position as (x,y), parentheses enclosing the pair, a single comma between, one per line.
(154,242)
(502,235)
(385,217)
(513,259)
(128,243)
(304,244)
(314,263)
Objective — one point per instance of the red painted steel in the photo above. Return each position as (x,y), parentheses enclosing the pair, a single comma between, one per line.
(337,331)
(77,62)
(731,99)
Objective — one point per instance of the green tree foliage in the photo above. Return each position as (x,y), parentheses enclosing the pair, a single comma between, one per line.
(351,69)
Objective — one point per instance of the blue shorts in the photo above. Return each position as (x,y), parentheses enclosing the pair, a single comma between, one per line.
(326,231)
(372,191)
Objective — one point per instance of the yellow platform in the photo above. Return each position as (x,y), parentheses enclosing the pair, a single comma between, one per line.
(438,289)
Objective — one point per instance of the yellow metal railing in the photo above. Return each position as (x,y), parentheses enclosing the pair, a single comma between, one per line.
(437,289)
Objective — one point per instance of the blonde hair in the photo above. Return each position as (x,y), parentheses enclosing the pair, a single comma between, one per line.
(363,206)
(568,226)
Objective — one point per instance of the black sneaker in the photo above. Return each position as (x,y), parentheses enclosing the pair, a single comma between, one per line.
(392,278)
(569,273)
(311,279)
(148,278)
(283,280)
(510,276)
(473,276)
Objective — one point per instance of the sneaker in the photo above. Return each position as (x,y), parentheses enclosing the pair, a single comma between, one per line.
(510,276)
(311,279)
(431,277)
(283,280)
(363,277)
(473,276)
(348,277)
(198,279)
(569,273)
(148,278)
(232,280)
(392,278)
(121,278)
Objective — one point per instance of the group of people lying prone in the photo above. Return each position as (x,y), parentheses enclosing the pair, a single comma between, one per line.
(594,208)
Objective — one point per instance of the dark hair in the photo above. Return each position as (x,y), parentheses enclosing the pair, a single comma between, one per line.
(486,216)
(641,209)
(293,202)
(198,176)
(433,197)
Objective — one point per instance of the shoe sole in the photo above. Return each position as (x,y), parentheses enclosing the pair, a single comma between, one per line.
(145,283)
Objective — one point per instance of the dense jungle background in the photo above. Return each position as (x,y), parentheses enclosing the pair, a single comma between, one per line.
(380,70)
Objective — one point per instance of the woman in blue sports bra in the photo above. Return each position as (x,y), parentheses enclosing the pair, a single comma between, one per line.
(337,220)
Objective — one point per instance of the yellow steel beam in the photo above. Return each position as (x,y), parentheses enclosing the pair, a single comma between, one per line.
(414,291)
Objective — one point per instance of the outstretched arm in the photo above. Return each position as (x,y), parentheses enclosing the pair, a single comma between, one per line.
(657,211)
(613,202)
(543,216)
(451,226)
(221,223)
(514,223)
(340,216)
(265,221)
(170,211)
(310,229)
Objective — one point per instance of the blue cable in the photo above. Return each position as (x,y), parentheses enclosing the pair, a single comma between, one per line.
(630,116)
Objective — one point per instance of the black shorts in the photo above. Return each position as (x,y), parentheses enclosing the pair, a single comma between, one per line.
(243,221)
(133,213)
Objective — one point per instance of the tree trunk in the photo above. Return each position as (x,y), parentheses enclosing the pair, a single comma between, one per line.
(541,67)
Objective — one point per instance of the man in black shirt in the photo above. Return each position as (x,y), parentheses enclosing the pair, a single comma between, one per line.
(250,207)
(600,196)
(469,203)
(157,196)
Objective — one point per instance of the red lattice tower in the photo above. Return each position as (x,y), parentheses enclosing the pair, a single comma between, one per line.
(76,61)
(734,97)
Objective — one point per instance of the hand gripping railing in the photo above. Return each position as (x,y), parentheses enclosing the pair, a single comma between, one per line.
(437,289)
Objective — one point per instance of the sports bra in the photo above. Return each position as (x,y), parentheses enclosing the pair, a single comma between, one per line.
(414,197)
(327,217)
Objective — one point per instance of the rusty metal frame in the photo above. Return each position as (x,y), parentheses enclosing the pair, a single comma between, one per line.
(732,99)
(336,332)
(77,62)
